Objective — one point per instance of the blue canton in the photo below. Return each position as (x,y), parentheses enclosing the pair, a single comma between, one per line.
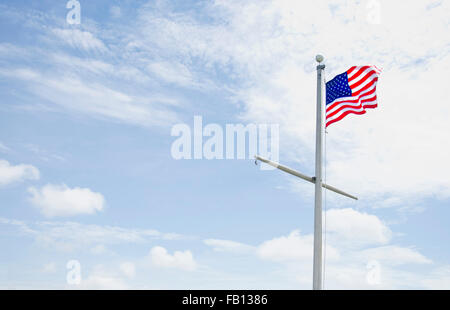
(338,87)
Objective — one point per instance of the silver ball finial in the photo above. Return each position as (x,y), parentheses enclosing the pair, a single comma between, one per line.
(319,58)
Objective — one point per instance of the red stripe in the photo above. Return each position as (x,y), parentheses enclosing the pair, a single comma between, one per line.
(358,73)
(350,70)
(368,75)
(351,100)
(361,105)
(344,115)
(370,106)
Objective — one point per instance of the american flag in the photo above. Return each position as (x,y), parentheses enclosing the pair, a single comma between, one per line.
(353,91)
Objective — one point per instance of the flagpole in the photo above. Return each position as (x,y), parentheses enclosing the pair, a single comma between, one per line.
(317,180)
(317,266)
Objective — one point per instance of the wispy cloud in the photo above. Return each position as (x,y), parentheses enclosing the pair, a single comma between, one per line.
(220,245)
(68,236)
(80,39)
(92,98)
(4,148)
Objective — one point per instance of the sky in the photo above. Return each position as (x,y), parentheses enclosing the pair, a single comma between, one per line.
(92,196)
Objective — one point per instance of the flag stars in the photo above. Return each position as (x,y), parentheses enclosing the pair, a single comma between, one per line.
(337,88)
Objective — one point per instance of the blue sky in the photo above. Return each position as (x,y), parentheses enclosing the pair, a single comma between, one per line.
(87,174)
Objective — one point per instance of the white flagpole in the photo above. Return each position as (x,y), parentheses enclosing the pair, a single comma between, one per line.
(317,180)
(317,266)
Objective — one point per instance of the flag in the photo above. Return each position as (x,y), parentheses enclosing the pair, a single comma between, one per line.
(353,91)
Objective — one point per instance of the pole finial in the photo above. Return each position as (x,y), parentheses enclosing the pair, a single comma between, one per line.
(319,58)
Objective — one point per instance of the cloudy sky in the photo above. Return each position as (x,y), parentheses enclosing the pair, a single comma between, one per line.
(88,182)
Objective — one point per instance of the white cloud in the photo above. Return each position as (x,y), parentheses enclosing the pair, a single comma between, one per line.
(60,200)
(351,237)
(220,245)
(346,229)
(350,227)
(394,255)
(439,279)
(292,247)
(179,260)
(10,173)
(346,264)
